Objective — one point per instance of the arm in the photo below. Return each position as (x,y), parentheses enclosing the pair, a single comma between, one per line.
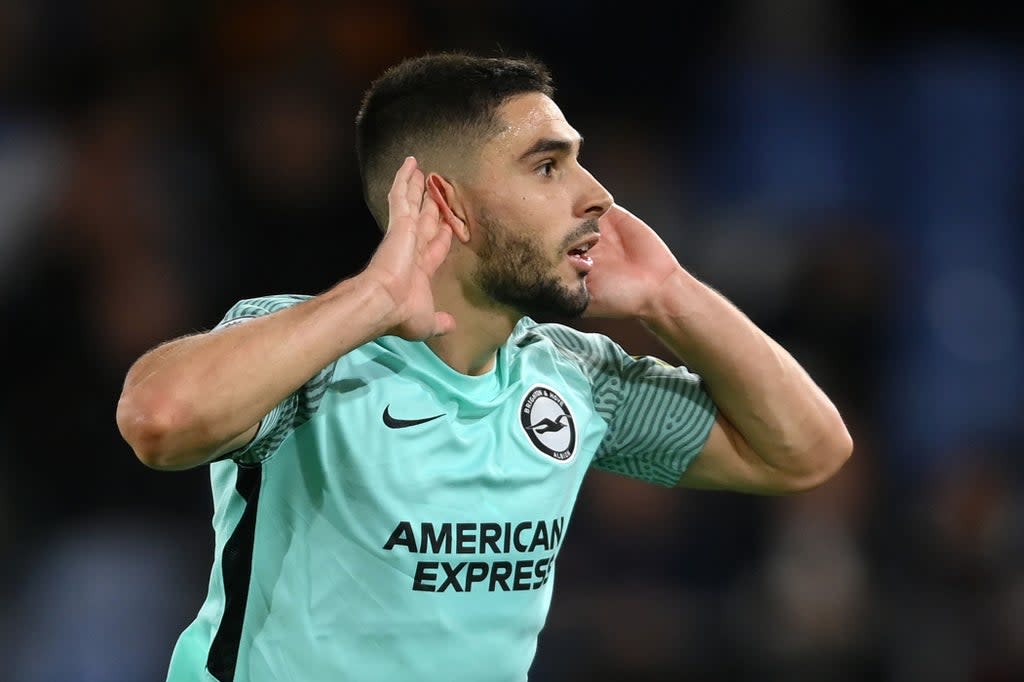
(192,399)
(776,431)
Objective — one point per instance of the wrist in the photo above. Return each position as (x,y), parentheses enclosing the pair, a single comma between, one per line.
(372,299)
(674,300)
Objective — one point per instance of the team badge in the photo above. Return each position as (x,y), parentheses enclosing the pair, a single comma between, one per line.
(548,423)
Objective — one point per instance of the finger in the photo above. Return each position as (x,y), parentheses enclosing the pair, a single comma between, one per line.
(620,218)
(437,249)
(414,190)
(398,245)
(444,323)
(427,223)
(398,204)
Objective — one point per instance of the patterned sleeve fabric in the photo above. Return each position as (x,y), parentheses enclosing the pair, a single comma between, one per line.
(659,416)
(293,411)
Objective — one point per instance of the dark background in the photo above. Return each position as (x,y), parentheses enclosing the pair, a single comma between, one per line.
(848,173)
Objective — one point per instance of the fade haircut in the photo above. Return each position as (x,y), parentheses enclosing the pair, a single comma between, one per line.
(438,107)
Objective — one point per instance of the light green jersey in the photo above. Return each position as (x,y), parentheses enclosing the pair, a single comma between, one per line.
(395,520)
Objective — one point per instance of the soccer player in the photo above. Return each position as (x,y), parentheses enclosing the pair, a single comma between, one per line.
(394,461)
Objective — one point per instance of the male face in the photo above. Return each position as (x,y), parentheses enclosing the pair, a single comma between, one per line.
(535,210)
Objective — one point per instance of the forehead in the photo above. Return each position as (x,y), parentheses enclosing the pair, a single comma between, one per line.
(527,118)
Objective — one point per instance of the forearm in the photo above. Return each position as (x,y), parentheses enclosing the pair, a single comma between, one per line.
(782,414)
(184,400)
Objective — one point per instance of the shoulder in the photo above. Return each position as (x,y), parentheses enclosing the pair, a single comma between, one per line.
(269,303)
(261,305)
(585,348)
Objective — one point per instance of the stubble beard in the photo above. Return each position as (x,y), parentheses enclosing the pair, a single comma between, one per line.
(515,273)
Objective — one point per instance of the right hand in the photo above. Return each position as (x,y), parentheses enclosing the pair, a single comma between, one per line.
(416,242)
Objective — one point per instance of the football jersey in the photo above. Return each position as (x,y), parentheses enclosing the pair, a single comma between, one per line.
(397,520)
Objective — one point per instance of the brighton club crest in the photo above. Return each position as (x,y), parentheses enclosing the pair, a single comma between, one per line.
(548,423)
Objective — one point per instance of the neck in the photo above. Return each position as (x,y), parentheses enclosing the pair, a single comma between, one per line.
(481,328)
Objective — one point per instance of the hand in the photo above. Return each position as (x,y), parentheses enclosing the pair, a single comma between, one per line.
(631,267)
(415,244)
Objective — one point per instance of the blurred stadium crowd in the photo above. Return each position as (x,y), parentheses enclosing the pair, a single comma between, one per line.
(850,176)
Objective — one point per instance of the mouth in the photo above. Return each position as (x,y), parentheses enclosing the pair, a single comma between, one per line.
(579,254)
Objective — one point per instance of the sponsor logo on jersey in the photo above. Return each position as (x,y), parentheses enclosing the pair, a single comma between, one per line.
(473,556)
(395,423)
(548,423)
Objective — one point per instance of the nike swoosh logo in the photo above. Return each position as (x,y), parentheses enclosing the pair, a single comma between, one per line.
(393,423)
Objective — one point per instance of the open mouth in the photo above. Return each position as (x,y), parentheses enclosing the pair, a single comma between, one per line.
(580,253)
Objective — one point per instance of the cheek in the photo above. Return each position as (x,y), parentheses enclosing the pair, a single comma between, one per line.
(535,214)
(523,196)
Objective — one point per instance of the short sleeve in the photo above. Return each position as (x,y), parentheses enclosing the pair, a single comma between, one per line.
(659,416)
(293,411)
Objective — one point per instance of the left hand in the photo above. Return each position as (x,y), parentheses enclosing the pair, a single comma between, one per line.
(631,267)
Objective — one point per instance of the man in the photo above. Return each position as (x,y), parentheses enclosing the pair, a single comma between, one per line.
(395,460)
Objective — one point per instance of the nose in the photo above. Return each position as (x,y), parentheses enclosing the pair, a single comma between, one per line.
(595,199)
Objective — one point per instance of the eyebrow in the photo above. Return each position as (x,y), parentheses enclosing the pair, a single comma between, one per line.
(550,144)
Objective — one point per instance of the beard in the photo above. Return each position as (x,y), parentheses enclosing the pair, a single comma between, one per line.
(515,272)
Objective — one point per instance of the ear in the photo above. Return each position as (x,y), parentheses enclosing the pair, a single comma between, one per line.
(447,199)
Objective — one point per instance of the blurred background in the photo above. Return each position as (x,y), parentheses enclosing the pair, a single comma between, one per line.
(849,173)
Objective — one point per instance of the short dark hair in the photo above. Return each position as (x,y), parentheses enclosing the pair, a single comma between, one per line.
(438,105)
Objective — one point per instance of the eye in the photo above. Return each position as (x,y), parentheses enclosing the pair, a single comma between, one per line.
(547,168)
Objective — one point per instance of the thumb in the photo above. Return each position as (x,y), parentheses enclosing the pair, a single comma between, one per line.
(444,323)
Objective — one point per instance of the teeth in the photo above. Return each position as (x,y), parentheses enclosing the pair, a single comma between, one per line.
(582,249)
